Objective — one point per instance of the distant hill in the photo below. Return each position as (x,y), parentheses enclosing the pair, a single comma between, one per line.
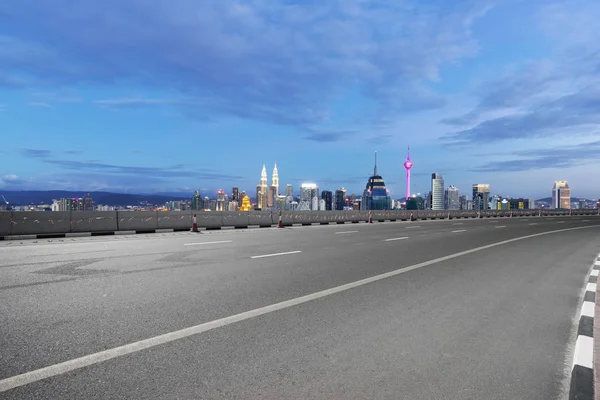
(27,197)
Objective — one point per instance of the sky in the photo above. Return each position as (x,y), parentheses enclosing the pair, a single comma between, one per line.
(171,96)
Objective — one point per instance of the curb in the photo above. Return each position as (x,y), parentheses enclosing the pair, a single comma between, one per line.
(582,373)
(87,234)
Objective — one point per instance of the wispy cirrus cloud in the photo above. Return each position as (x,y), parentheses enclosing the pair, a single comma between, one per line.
(279,62)
(36,153)
(562,157)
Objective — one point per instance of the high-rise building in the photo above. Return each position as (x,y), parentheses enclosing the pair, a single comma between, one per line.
(289,190)
(272,196)
(340,199)
(561,195)
(437,192)
(327,196)
(235,194)
(481,196)
(408,164)
(375,195)
(463,202)
(452,198)
(582,203)
(261,190)
(308,192)
(220,206)
(88,203)
(196,201)
(275,181)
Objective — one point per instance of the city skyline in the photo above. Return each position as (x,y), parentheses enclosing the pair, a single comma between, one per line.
(316,87)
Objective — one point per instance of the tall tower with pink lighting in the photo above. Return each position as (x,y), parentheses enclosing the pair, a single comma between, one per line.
(408,165)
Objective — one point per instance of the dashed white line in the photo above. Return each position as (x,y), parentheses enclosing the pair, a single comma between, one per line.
(344,232)
(399,238)
(585,220)
(584,350)
(594,272)
(134,347)
(533,223)
(459,223)
(493,222)
(560,222)
(413,227)
(591,287)
(459,230)
(597,262)
(277,254)
(501,226)
(202,243)
(587,309)
(525,219)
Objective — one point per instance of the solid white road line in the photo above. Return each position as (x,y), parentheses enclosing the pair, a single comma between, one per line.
(95,358)
(399,238)
(594,272)
(201,243)
(584,351)
(501,226)
(460,230)
(278,254)
(344,232)
(587,309)
(590,287)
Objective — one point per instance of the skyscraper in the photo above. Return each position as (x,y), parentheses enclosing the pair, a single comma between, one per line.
(196,201)
(289,190)
(452,198)
(437,192)
(340,199)
(220,206)
(275,180)
(261,190)
(375,195)
(308,192)
(561,195)
(481,196)
(235,194)
(408,164)
(327,196)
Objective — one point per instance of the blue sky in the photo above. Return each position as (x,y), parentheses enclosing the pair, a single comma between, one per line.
(137,96)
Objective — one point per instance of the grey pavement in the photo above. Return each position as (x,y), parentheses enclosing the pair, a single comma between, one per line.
(493,324)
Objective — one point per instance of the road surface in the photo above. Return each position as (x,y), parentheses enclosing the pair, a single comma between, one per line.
(461,309)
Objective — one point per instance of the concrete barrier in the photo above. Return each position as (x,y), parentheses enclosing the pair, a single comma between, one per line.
(93,221)
(40,222)
(49,223)
(237,219)
(177,220)
(262,218)
(137,220)
(5,223)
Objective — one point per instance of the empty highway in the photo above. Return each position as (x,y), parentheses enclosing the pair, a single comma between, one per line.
(460,309)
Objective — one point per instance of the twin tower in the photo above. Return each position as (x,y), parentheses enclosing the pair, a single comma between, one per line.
(266,196)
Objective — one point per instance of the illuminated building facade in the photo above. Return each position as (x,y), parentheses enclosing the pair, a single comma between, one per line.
(561,195)
(375,195)
(481,196)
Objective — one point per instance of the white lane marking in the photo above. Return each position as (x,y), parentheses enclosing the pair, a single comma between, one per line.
(587,309)
(585,220)
(525,219)
(533,223)
(501,226)
(399,238)
(278,254)
(344,232)
(460,230)
(584,350)
(459,223)
(597,262)
(493,222)
(413,227)
(95,358)
(594,272)
(201,243)
(590,287)
(560,222)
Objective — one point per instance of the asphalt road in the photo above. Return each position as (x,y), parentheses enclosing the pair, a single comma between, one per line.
(494,323)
